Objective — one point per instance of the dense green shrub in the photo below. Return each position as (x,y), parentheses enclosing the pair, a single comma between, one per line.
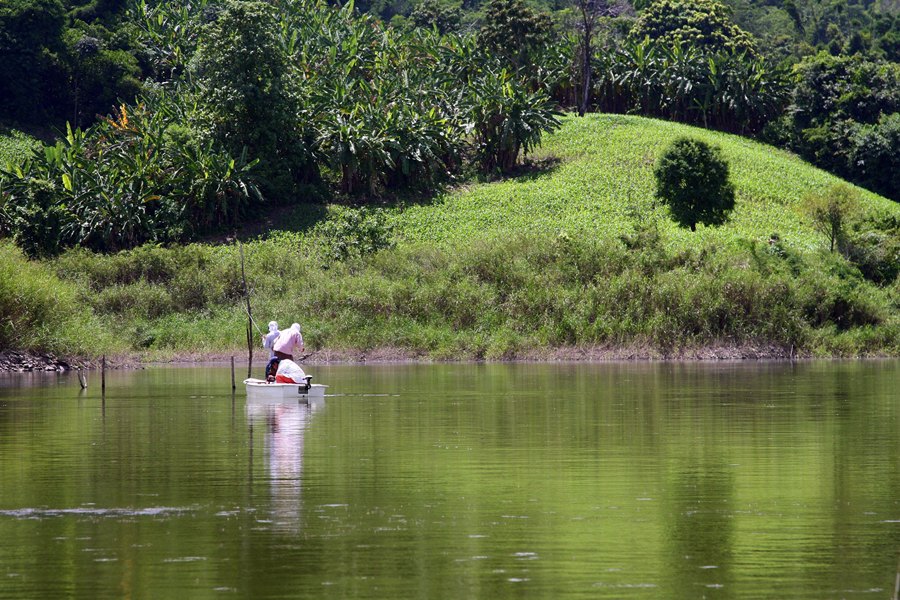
(151,263)
(40,222)
(166,34)
(139,300)
(385,109)
(705,23)
(247,96)
(123,182)
(514,32)
(433,14)
(508,120)
(101,77)
(874,247)
(16,146)
(836,296)
(58,62)
(873,156)
(154,264)
(831,212)
(692,179)
(354,232)
(837,88)
(31,62)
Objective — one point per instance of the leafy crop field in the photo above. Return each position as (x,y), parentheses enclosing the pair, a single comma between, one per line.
(15,145)
(598,181)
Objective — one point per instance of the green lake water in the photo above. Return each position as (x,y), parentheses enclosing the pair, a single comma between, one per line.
(756,480)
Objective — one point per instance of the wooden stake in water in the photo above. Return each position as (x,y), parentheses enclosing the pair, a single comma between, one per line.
(897,583)
(232,374)
(103,375)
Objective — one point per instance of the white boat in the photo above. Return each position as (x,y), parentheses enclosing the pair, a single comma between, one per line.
(260,389)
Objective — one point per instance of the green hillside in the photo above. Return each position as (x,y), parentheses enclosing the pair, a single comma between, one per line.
(601,183)
(573,257)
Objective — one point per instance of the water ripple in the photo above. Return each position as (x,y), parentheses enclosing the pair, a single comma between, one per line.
(46,513)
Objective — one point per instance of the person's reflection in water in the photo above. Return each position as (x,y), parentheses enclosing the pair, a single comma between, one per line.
(284,425)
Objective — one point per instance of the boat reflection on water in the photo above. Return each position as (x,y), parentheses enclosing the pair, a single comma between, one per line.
(283,424)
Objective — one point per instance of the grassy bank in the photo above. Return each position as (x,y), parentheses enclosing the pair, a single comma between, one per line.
(573,254)
(44,313)
(495,299)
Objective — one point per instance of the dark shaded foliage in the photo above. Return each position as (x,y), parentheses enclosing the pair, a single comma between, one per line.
(32,66)
(514,32)
(845,117)
(433,14)
(247,97)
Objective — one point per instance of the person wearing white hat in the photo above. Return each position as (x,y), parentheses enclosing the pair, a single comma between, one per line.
(286,341)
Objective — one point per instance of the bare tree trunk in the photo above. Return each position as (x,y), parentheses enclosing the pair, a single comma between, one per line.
(586,75)
(588,16)
(591,10)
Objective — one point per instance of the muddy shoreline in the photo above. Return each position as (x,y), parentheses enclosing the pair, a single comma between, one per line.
(29,362)
(20,361)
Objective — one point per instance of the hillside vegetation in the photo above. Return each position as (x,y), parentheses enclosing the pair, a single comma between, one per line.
(15,146)
(571,257)
(594,178)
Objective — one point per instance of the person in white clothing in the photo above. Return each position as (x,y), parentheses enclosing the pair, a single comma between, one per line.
(287,341)
(268,342)
(289,372)
(268,339)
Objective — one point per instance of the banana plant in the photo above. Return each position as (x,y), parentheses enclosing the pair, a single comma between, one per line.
(726,90)
(127,180)
(506,119)
(168,32)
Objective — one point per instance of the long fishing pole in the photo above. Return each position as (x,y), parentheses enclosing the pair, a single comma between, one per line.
(253,321)
(249,313)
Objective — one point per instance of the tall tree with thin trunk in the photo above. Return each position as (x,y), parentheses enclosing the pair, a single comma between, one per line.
(591,11)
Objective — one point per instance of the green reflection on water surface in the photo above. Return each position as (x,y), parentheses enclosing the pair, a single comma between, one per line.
(456,481)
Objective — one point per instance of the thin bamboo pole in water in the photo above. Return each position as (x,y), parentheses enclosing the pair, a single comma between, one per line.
(249,314)
(897,583)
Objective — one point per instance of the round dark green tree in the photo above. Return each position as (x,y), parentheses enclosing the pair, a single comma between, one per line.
(702,23)
(692,179)
(515,32)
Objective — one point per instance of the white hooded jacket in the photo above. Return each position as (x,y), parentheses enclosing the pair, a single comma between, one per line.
(268,340)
